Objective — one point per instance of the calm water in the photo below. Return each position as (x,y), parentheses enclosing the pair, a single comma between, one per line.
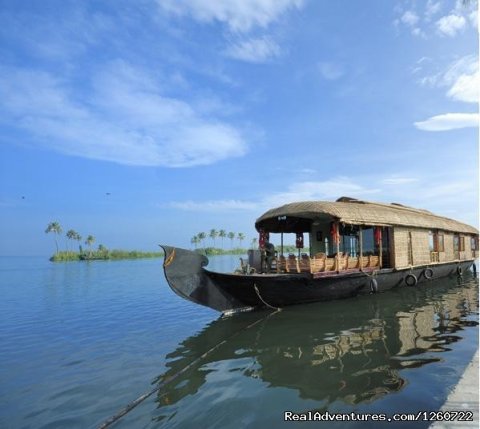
(78,341)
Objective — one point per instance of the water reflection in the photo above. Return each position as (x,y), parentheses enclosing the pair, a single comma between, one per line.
(353,351)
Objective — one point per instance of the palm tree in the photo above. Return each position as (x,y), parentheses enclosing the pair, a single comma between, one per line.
(213,234)
(231,236)
(56,229)
(240,237)
(222,234)
(78,237)
(195,240)
(89,241)
(71,235)
(102,250)
(201,237)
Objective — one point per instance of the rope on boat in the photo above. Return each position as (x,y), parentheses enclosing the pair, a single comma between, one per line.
(374,273)
(129,407)
(265,302)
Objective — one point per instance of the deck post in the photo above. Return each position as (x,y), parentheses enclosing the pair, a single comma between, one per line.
(337,241)
(380,245)
(360,239)
(281,243)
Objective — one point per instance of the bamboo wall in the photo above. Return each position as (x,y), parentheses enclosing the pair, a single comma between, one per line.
(448,254)
(400,246)
(421,254)
(421,248)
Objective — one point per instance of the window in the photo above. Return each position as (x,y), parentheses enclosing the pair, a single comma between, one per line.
(431,241)
(368,242)
(440,242)
(458,243)
(435,241)
(349,240)
(473,243)
(349,244)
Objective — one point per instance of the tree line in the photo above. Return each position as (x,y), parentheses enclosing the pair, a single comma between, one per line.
(100,253)
(56,229)
(199,239)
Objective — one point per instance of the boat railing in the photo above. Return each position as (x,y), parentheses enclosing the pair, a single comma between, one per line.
(322,263)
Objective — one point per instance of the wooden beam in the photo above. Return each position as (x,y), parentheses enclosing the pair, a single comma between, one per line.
(337,241)
(360,239)
(381,245)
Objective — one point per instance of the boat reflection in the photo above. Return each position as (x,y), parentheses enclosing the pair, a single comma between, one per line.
(351,351)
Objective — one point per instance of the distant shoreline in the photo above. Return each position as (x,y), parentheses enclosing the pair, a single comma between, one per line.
(116,254)
(102,255)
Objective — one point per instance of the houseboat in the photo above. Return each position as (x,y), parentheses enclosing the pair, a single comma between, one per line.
(354,247)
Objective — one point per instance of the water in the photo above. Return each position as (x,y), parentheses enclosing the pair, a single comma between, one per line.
(78,341)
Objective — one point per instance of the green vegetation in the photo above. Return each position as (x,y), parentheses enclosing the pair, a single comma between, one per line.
(198,242)
(103,254)
(212,251)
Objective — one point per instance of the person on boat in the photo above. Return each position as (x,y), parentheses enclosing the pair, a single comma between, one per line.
(269,255)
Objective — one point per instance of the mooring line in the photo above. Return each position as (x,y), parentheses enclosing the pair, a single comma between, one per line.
(265,302)
(171,378)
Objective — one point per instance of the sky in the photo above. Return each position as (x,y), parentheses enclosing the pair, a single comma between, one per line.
(145,122)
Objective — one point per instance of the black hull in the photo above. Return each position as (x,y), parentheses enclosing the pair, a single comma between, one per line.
(186,275)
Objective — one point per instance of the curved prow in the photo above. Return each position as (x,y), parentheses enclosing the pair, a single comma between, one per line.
(187,278)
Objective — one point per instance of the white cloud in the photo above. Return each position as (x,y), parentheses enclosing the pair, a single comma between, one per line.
(418,32)
(258,50)
(462,76)
(465,88)
(299,191)
(239,15)
(473,17)
(465,65)
(320,190)
(125,119)
(213,205)
(432,8)
(449,121)
(403,189)
(410,18)
(459,18)
(398,180)
(330,71)
(450,25)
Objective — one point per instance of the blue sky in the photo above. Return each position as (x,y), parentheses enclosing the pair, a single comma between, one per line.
(146,122)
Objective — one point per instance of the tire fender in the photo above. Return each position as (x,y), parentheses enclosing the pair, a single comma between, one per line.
(411,279)
(428,273)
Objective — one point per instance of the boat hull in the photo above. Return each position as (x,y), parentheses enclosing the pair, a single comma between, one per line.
(186,275)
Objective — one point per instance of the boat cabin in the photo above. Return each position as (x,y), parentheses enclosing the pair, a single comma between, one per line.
(353,235)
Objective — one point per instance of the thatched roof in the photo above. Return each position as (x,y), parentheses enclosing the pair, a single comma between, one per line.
(352,211)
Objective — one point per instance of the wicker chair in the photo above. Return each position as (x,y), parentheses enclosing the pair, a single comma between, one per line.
(329,264)
(304,265)
(292,264)
(281,264)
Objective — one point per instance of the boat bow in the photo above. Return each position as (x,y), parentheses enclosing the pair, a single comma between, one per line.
(186,276)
